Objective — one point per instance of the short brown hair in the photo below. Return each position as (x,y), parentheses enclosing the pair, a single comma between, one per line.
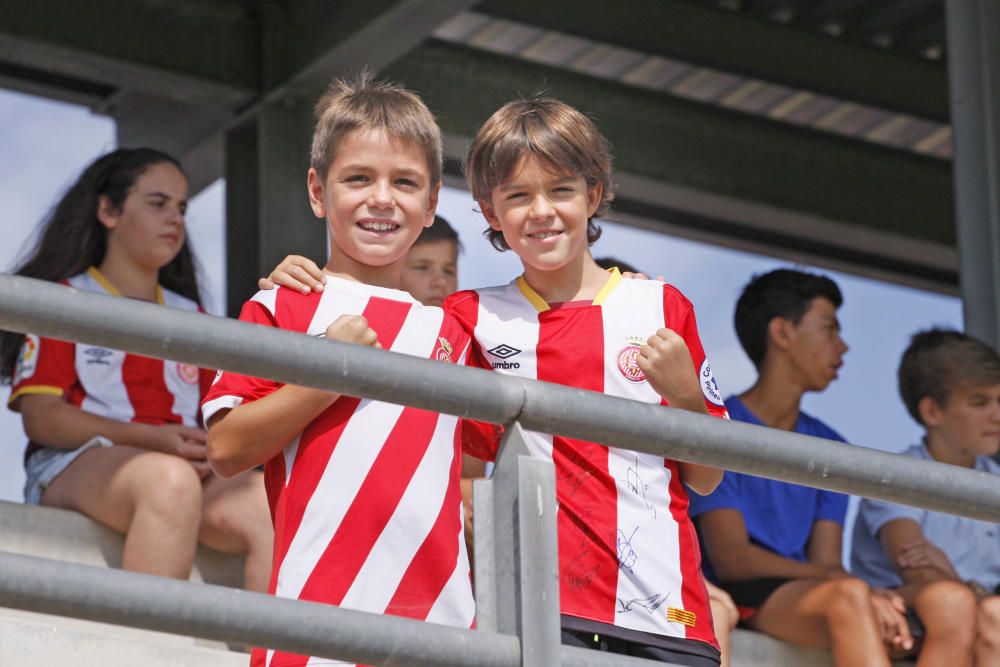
(550,130)
(363,103)
(939,361)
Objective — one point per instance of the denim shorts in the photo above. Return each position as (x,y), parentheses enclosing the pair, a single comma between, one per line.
(44,465)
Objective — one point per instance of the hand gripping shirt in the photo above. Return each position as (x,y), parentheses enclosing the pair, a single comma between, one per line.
(110,383)
(366,501)
(628,553)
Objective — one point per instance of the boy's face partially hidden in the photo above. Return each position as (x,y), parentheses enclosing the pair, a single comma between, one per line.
(430,272)
(969,422)
(376,198)
(543,214)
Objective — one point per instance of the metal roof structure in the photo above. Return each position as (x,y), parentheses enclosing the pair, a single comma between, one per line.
(812,130)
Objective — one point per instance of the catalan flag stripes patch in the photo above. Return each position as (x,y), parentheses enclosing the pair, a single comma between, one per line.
(683,616)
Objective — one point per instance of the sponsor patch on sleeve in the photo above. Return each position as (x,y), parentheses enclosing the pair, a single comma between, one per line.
(27,359)
(709,386)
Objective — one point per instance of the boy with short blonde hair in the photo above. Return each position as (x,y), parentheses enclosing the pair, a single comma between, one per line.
(946,567)
(365,495)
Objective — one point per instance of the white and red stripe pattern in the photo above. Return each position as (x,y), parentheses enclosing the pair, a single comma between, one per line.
(110,383)
(366,501)
(628,553)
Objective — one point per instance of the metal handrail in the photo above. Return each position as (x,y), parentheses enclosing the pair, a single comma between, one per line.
(518,596)
(242,617)
(57,311)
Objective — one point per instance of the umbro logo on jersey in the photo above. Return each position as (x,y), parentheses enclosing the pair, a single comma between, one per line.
(98,355)
(505,352)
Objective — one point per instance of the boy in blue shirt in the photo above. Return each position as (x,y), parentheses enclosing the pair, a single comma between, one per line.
(950,384)
(775,547)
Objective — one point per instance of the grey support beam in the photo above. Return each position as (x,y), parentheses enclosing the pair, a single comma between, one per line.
(700,148)
(187,131)
(197,52)
(267,207)
(974,72)
(754,47)
(309,41)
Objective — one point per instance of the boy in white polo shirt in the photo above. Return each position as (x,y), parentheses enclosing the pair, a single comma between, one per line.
(950,384)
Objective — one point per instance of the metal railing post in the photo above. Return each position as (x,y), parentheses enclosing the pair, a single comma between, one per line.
(517,570)
(484,548)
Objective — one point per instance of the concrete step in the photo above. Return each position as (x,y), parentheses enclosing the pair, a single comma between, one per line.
(29,639)
(753,649)
(58,534)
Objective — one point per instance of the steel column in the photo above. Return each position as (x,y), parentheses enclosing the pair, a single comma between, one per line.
(974,84)
(517,575)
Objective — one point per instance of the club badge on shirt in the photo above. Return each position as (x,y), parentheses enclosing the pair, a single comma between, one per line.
(628,360)
(188,373)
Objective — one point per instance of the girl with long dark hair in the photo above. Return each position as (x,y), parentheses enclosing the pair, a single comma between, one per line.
(116,435)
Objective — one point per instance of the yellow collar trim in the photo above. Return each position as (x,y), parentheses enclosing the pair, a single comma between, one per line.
(541,305)
(609,287)
(94,273)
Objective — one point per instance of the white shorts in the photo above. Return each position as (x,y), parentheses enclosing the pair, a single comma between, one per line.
(44,465)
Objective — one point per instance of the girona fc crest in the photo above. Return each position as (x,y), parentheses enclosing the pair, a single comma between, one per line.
(444,350)
(188,373)
(628,364)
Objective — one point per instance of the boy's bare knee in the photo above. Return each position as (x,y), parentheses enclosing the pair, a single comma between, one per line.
(849,600)
(169,486)
(948,609)
(988,621)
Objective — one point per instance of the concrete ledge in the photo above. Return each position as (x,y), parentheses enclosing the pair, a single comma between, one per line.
(58,534)
(28,638)
(754,649)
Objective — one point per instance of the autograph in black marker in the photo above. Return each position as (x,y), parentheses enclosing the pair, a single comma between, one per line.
(635,484)
(626,554)
(650,604)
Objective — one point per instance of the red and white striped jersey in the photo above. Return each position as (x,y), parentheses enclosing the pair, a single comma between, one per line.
(366,500)
(110,383)
(628,553)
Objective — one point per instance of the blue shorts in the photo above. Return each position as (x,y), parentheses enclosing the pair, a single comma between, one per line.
(47,463)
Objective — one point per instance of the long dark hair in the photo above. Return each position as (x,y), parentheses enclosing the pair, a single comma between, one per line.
(72,239)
